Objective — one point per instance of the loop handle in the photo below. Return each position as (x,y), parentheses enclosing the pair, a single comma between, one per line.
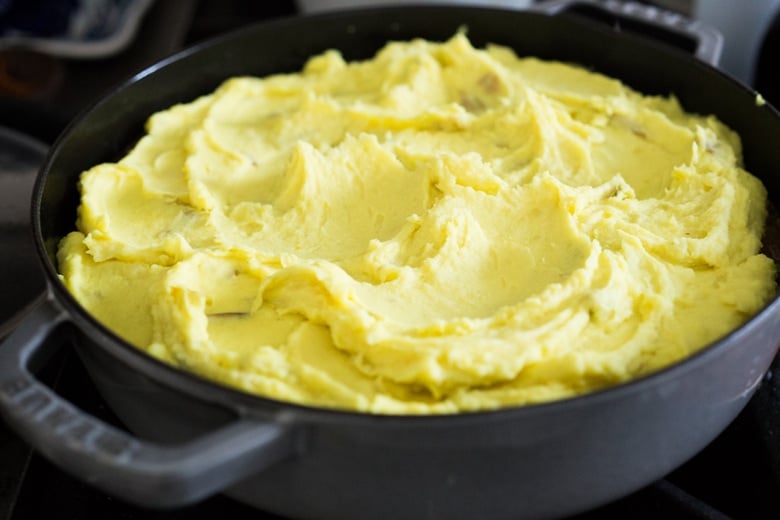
(114,461)
(704,41)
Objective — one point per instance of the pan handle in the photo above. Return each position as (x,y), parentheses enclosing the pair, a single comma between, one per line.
(647,20)
(112,460)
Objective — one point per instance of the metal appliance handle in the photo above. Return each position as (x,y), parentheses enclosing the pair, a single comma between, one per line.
(646,20)
(113,460)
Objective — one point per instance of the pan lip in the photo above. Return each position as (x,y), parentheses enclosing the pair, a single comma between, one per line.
(245,403)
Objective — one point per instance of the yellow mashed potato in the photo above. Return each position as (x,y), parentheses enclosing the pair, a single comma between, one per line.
(438,229)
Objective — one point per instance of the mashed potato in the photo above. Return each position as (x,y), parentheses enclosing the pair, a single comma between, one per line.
(438,229)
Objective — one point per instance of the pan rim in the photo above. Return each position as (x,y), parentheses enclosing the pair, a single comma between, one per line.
(246,403)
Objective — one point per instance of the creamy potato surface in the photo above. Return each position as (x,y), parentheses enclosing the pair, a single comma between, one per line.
(438,229)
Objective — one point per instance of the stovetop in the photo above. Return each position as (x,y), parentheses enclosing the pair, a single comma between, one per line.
(736,476)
